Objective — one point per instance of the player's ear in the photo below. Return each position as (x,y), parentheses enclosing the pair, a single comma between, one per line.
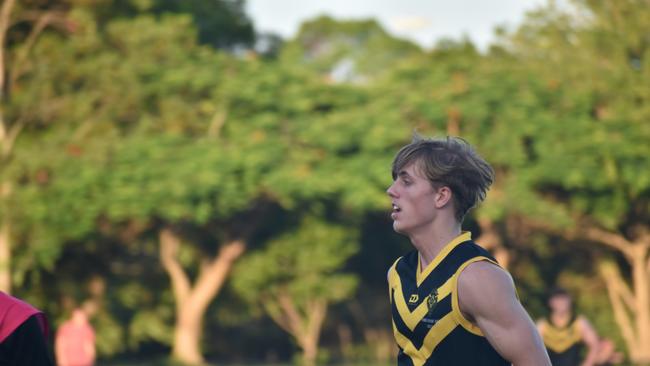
(442,196)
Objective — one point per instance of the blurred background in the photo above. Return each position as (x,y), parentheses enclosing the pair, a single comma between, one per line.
(212,189)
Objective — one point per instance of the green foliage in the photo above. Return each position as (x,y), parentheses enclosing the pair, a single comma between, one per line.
(110,338)
(151,325)
(593,151)
(304,263)
(350,51)
(220,23)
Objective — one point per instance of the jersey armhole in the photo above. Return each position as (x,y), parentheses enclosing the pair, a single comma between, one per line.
(455,306)
(392,272)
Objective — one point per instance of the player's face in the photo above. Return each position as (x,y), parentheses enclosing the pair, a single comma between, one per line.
(560,303)
(412,197)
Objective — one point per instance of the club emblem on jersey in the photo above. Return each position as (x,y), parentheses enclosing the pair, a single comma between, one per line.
(432,301)
(414,298)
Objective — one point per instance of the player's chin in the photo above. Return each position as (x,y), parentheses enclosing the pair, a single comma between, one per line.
(398,227)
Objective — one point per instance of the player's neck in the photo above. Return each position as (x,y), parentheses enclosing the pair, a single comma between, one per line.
(433,238)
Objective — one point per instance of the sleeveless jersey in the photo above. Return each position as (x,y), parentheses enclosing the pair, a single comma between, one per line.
(564,344)
(427,322)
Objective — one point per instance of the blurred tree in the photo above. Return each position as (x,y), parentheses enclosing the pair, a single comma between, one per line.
(347,51)
(90,167)
(176,142)
(296,277)
(268,44)
(222,24)
(592,158)
(21,26)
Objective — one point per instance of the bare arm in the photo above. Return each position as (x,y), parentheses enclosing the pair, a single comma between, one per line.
(486,296)
(590,338)
(89,349)
(59,347)
(539,324)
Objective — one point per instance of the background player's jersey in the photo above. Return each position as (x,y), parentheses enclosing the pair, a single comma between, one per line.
(564,344)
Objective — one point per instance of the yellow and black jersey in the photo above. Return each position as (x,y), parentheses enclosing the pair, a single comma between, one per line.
(427,322)
(564,344)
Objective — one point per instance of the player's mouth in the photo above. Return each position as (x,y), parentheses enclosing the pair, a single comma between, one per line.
(396,209)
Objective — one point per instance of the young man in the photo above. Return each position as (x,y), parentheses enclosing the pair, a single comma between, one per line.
(451,302)
(564,333)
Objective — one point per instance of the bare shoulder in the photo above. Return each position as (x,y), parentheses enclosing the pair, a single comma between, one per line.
(482,285)
(482,276)
(583,323)
(582,320)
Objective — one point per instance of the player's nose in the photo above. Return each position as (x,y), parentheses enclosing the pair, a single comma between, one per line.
(391,191)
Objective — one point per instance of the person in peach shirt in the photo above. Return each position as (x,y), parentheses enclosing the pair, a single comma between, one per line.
(75,341)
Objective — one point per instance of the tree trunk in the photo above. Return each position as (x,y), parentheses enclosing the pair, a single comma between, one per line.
(187,336)
(316,311)
(641,279)
(5,188)
(309,351)
(303,324)
(192,301)
(5,15)
(5,256)
(9,132)
(631,305)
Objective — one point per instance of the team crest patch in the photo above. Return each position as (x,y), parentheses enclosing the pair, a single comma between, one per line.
(414,298)
(432,300)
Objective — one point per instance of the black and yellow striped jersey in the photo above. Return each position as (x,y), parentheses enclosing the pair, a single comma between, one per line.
(564,344)
(427,322)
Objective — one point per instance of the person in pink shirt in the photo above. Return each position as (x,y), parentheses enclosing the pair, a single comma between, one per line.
(75,341)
